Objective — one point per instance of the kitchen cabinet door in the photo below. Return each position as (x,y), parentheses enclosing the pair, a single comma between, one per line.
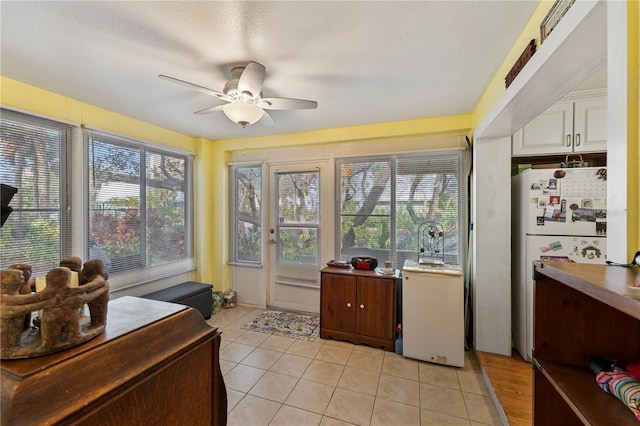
(375,314)
(590,125)
(338,303)
(549,133)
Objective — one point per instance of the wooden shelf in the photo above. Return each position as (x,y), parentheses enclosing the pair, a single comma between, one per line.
(582,311)
(584,397)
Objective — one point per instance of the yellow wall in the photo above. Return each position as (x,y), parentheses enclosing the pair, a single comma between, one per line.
(496,87)
(211,157)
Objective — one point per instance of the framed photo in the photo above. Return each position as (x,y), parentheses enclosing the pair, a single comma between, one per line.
(556,13)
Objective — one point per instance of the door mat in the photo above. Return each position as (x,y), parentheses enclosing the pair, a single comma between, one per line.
(287,324)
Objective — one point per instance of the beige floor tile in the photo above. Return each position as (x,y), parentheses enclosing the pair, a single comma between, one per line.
(472,381)
(329,421)
(252,338)
(339,343)
(305,348)
(366,360)
(231,333)
(323,372)
(443,400)
(481,409)
(242,377)
(233,397)
(389,413)
(396,365)
(310,396)
(226,366)
(358,380)
(335,354)
(433,418)
(291,365)
(353,407)
(253,411)
(235,352)
(366,348)
(440,375)
(277,343)
(261,358)
(292,416)
(274,386)
(400,390)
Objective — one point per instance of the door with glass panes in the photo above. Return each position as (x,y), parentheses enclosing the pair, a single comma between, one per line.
(294,237)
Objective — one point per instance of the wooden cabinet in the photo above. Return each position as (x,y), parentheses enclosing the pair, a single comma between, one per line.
(156,363)
(569,126)
(359,306)
(580,311)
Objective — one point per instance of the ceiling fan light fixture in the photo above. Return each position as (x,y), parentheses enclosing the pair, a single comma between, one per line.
(244,113)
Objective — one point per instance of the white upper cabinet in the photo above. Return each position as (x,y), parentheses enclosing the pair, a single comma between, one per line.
(568,126)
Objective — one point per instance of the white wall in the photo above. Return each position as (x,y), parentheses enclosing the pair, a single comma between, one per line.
(491,214)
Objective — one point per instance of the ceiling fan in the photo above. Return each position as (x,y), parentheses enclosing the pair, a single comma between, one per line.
(243,94)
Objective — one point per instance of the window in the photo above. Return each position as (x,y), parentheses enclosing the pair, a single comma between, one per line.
(383,201)
(139,204)
(33,162)
(246,213)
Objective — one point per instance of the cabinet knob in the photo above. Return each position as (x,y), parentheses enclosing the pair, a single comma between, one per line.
(361,306)
(568,140)
(577,139)
(348,305)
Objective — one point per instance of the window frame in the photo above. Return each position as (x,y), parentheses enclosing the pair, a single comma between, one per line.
(139,276)
(393,159)
(234,214)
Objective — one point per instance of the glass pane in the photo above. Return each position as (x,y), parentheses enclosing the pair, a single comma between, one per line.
(298,246)
(114,205)
(30,162)
(298,197)
(165,208)
(248,213)
(365,221)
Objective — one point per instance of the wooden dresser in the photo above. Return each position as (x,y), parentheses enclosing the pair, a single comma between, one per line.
(580,311)
(359,306)
(156,363)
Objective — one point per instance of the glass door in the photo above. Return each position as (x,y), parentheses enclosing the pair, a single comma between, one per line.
(294,238)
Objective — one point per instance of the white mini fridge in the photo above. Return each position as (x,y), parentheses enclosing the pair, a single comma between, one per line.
(433,313)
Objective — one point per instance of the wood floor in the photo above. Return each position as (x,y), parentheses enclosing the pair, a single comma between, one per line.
(512,381)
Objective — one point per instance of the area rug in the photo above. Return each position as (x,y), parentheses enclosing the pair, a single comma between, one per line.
(287,324)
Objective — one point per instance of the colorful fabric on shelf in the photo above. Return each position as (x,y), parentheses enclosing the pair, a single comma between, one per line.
(623,386)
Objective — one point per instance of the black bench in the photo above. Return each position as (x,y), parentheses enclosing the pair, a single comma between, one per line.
(190,293)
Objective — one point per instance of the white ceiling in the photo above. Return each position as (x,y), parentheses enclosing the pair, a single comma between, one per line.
(364,62)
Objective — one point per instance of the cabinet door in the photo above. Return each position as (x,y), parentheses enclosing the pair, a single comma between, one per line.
(590,125)
(338,302)
(549,133)
(376,299)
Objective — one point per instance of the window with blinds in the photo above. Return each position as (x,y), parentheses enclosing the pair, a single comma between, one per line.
(384,199)
(139,204)
(33,162)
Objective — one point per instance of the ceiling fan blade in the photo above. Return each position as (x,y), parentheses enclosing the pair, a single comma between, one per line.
(266,119)
(287,103)
(202,89)
(251,79)
(209,110)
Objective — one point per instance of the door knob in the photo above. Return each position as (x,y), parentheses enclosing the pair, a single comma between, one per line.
(348,305)
(361,306)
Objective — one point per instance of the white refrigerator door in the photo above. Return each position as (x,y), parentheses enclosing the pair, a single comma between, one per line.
(561,249)
(565,201)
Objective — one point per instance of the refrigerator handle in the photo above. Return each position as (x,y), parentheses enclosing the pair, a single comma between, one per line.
(568,140)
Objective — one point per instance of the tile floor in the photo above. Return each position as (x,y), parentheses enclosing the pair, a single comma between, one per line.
(274,380)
